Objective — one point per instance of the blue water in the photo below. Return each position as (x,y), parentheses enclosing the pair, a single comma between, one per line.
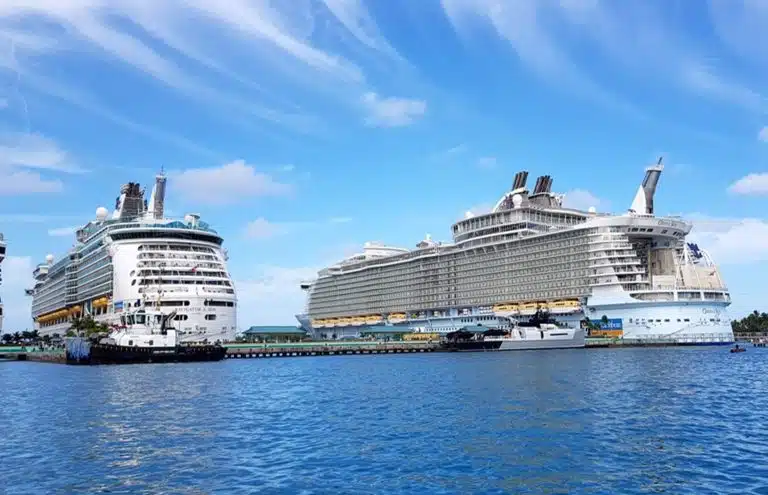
(602,421)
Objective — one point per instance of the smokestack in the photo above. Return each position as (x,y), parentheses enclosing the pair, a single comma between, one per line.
(548,185)
(524,179)
(520,179)
(516,181)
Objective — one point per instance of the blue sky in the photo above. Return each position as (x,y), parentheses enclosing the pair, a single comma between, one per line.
(302,129)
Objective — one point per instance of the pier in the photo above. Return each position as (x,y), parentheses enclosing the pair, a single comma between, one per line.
(337,348)
(602,343)
(33,354)
(245,351)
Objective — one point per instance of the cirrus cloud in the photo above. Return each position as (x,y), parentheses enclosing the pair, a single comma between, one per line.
(227,184)
(751,185)
(392,112)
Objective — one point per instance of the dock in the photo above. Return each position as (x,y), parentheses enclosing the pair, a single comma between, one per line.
(245,351)
(341,348)
(603,343)
(21,354)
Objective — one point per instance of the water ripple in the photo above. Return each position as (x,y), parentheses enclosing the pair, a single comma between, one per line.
(678,421)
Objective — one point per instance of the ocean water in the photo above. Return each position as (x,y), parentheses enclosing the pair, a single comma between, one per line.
(677,420)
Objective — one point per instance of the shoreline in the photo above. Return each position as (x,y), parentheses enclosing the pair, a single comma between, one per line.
(323,348)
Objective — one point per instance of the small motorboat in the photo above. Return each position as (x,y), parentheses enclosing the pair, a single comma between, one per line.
(738,349)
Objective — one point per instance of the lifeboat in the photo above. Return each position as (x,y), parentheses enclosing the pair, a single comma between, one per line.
(100,302)
(564,306)
(396,317)
(529,308)
(373,319)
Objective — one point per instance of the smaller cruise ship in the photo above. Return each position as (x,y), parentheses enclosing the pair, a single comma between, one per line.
(136,257)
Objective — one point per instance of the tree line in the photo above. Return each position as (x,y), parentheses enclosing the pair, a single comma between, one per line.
(85,326)
(755,322)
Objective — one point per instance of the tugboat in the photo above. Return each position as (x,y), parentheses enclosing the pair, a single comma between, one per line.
(540,332)
(143,336)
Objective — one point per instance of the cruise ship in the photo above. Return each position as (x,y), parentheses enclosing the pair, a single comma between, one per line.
(2,257)
(138,257)
(633,275)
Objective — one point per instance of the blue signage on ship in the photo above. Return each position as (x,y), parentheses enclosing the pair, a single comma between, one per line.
(611,324)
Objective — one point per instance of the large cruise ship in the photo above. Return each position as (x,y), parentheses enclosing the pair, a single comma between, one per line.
(2,257)
(632,275)
(138,257)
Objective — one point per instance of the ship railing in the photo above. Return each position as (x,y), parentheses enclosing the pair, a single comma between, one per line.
(680,287)
(678,338)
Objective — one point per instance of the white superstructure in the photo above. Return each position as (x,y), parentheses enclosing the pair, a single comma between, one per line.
(2,257)
(631,275)
(138,258)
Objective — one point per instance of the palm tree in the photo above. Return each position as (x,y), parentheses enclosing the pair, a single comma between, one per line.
(86,326)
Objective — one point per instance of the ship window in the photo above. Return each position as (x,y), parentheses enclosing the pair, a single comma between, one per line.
(666,320)
(130,342)
(686,319)
(151,342)
(210,317)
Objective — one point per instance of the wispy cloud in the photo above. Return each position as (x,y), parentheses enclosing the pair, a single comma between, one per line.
(23,156)
(751,185)
(229,183)
(486,162)
(26,218)
(480,209)
(702,79)
(62,231)
(580,199)
(391,111)
(340,219)
(636,37)
(731,241)
(763,134)
(262,229)
(261,50)
(449,153)
(459,148)
(34,151)
(20,182)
